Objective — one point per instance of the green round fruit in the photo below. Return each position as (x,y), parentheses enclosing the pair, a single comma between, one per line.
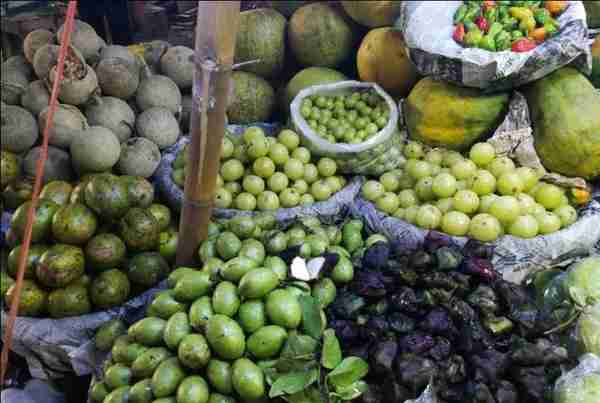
(253,99)
(74,224)
(167,244)
(60,265)
(225,299)
(324,291)
(219,376)
(105,251)
(108,196)
(226,337)
(343,272)
(257,283)
(228,245)
(193,351)
(252,316)
(107,334)
(193,389)
(283,309)
(34,299)
(42,222)
(140,230)
(35,252)
(267,342)
(248,379)
(72,300)
(162,215)
(200,312)
(140,191)
(147,269)
(9,168)
(219,398)
(57,191)
(110,288)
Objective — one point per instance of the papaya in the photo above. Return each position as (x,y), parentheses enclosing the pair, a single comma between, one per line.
(596,62)
(566,124)
(372,13)
(592,9)
(444,115)
(382,59)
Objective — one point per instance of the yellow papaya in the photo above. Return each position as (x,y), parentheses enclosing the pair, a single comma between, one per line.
(382,59)
(564,109)
(445,115)
(372,13)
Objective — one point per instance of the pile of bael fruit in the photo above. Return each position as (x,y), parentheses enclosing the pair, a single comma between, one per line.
(260,172)
(497,26)
(242,328)
(94,246)
(351,118)
(482,195)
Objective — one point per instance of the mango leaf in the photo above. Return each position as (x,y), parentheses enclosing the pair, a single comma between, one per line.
(311,316)
(285,365)
(332,353)
(308,395)
(349,371)
(299,346)
(351,391)
(293,382)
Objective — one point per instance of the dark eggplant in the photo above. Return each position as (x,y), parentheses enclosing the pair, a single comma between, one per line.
(415,372)
(383,356)
(438,322)
(491,364)
(401,323)
(416,342)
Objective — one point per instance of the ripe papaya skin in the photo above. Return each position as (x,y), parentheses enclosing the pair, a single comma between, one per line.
(566,124)
(444,115)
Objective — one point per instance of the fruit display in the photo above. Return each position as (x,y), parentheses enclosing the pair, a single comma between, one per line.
(260,172)
(308,77)
(596,62)
(253,99)
(518,26)
(480,195)
(244,327)
(346,118)
(442,315)
(94,246)
(373,14)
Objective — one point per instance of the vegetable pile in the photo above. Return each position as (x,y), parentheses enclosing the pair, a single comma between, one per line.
(260,172)
(483,196)
(442,315)
(497,26)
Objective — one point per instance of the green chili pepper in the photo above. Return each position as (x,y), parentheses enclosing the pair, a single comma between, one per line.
(503,41)
(472,38)
(459,16)
(541,16)
(516,34)
(495,29)
(487,43)
(502,13)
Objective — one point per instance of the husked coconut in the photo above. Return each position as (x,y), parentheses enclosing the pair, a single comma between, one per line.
(76,90)
(157,90)
(118,77)
(112,113)
(178,64)
(35,40)
(19,129)
(85,39)
(36,97)
(68,123)
(56,168)
(13,83)
(21,64)
(139,157)
(123,52)
(159,126)
(97,149)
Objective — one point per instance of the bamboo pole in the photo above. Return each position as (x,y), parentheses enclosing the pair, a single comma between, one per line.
(216,32)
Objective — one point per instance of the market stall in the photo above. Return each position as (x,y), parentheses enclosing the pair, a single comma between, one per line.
(305,201)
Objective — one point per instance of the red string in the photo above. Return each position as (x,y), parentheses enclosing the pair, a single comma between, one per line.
(39,174)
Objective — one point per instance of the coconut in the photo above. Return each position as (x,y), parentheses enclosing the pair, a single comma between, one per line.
(35,40)
(178,64)
(19,129)
(112,113)
(21,64)
(139,157)
(85,39)
(118,77)
(76,90)
(36,97)
(57,166)
(97,149)
(118,51)
(158,125)
(44,59)
(157,90)
(68,123)
(13,83)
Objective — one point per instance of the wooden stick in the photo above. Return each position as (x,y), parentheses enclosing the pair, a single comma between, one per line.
(216,32)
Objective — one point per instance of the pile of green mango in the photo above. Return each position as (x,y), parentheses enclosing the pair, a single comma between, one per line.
(229,331)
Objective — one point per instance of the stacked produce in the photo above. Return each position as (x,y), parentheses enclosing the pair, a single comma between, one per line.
(267,173)
(93,246)
(518,26)
(443,315)
(243,327)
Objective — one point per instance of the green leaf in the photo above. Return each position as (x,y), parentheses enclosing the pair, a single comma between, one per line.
(285,365)
(351,391)
(299,346)
(293,382)
(311,316)
(309,395)
(332,353)
(349,371)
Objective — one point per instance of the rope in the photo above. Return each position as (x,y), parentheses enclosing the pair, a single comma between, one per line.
(39,174)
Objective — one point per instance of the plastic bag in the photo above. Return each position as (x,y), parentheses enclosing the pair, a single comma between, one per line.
(336,205)
(380,153)
(427,27)
(581,384)
(588,330)
(54,347)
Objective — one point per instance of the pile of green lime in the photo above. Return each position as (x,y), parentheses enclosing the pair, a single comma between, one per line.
(260,172)
(346,118)
(481,195)
(242,326)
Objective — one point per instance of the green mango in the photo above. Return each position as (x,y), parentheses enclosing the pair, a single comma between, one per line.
(248,379)
(226,337)
(148,331)
(141,392)
(120,395)
(267,342)
(219,398)
(257,283)
(178,326)
(219,376)
(200,312)
(225,299)
(235,268)
(167,378)
(194,352)
(166,400)
(126,350)
(164,305)
(252,315)
(177,274)
(192,286)
(98,392)
(117,376)
(108,333)
(193,389)
(145,365)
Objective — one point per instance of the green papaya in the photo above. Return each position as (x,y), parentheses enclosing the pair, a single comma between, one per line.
(566,124)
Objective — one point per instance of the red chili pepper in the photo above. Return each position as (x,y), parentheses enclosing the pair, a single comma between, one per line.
(489,4)
(523,45)
(482,23)
(459,33)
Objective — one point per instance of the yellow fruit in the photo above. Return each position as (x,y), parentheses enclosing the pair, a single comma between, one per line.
(382,59)
(372,13)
